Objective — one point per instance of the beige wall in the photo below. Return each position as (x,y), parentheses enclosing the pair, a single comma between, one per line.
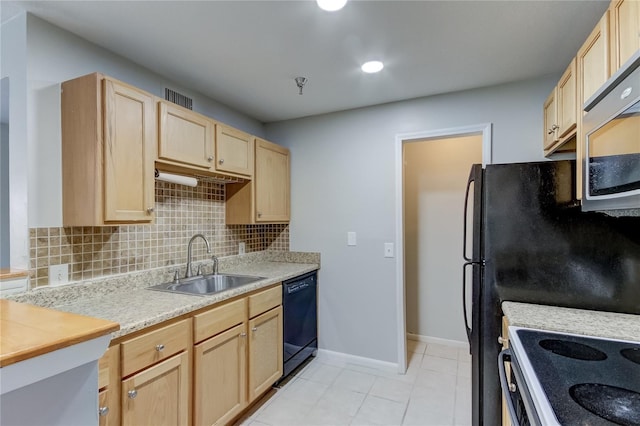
(435,175)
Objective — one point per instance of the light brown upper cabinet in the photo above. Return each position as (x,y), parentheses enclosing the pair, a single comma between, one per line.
(234,151)
(186,137)
(560,112)
(108,149)
(592,63)
(550,113)
(624,18)
(265,199)
(272,182)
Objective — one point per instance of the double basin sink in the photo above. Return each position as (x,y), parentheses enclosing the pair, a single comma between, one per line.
(206,284)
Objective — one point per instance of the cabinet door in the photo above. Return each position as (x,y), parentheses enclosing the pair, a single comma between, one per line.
(265,351)
(220,381)
(550,120)
(592,64)
(593,60)
(129,153)
(234,151)
(107,413)
(158,395)
(185,137)
(566,102)
(109,382)
(271,182)
(625,31)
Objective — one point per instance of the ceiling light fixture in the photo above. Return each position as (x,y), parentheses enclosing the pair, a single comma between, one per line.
(372,67)
(331,5)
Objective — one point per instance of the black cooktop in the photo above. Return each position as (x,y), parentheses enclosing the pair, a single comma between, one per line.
(588,381)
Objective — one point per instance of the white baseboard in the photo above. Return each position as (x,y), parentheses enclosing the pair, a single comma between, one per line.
(438,340)
(342,359)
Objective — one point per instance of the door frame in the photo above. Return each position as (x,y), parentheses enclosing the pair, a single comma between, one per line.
(484,129)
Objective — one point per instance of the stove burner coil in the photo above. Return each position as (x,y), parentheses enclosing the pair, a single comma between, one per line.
(618,405)
(632,354)
(573,350)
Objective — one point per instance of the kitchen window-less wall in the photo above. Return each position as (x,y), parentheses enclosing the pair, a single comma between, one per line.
(343,179)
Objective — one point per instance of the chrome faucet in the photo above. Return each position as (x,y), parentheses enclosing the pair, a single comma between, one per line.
(189,273)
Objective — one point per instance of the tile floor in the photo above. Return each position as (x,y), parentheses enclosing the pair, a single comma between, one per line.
(436,391)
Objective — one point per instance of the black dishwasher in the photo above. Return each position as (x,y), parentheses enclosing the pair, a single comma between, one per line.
(299,302)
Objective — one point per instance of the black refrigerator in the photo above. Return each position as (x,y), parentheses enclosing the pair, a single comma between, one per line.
(527,240)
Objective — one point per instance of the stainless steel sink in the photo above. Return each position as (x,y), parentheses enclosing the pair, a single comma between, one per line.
(208,284)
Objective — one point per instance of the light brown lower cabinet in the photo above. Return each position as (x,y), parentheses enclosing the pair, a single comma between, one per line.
(158,395)
(109,387)
(237,356)
(220,383)
(151,379)
(265,351)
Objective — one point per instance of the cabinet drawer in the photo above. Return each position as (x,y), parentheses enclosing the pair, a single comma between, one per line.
(218,320)
(265,300)
(154,346)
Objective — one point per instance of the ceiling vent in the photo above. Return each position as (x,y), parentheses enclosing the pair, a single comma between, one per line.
(178,98)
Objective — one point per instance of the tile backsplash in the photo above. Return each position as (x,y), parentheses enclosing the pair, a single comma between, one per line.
(181,212)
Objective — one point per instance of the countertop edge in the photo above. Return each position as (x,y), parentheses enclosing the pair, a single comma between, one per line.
(611,325)
(50,342)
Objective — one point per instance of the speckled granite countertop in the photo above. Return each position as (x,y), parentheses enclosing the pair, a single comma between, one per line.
(126,300)
(577,321)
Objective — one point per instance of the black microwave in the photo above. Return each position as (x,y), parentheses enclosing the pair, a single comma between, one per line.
(611,167)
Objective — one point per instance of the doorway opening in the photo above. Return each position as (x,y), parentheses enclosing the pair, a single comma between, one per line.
(431,173)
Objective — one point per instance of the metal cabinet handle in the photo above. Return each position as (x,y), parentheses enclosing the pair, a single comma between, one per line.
(243,334)
(221,161)
(132,394)
(103,411)
(254,329)
(160,347)
(210,158)
(500,340)
(259,214)
(150,210)
(555,127)
(549,131)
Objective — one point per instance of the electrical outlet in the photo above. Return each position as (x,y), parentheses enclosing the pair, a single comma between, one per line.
(58,274)
(388,249)
(241,248)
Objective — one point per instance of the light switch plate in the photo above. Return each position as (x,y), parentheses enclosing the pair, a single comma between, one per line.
(351,239)
(58,274)
(388,249)
(241,248)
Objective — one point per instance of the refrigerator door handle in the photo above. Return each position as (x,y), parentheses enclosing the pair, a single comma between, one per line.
(466,206)
(464,298)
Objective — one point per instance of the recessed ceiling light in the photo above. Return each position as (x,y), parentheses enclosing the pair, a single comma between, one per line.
(331,5)
(372,67)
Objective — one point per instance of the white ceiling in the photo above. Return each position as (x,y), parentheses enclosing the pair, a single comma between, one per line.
(246,54)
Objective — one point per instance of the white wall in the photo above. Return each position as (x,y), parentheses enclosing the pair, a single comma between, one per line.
(56,55)
(13,39)
(342,169)
(435,177)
